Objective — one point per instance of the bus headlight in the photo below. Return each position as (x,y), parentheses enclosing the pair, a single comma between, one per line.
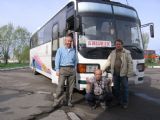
(140,67)
(87,68)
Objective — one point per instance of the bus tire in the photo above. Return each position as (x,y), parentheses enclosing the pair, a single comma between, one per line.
(34,69)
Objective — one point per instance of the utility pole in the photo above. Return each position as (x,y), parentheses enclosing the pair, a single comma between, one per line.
(127,2)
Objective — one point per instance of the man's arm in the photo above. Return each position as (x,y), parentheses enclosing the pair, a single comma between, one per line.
(75,59)
(89,88)
(107,63)
(89,85)
(130,65)
(57,62)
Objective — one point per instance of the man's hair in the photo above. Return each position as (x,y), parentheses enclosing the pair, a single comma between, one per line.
(118,40)
(97,70)
(69,35)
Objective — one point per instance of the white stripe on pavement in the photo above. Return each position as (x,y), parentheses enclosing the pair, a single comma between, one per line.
(142,95)
(73,116)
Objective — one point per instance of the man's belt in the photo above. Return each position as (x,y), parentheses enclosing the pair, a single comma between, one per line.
(67,66)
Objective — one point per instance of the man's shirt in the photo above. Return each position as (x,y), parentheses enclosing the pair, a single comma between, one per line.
(65,57)
(99,87)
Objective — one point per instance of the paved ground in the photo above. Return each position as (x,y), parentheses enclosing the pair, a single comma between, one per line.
(24,96)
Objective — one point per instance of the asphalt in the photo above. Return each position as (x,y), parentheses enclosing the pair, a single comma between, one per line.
(24,96)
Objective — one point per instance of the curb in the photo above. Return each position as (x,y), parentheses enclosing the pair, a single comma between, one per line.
(8,69)
(153,67)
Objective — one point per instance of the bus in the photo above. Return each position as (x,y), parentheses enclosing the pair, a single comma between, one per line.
(95,25)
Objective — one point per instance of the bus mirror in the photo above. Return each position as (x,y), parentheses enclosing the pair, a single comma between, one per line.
(77,23)
(152,31)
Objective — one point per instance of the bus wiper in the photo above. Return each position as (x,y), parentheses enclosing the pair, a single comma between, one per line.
(134,48)
(99,48)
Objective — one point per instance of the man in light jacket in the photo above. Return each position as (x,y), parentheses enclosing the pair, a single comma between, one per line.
(120,61)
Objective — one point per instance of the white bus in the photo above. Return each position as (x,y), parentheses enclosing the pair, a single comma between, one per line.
(96,24)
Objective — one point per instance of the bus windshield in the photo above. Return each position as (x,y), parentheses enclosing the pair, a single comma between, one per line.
(100,27)
(96,35)
(97,30)
(129,32)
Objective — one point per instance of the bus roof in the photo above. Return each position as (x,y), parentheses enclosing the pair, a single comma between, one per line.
(39,28)
(73,1)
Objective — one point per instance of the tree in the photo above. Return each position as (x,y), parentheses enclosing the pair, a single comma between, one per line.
(145,40)
(6,39)
(14,40)
(25,54)
(21,44)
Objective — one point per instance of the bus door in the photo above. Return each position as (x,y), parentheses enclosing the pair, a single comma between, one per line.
(55,43)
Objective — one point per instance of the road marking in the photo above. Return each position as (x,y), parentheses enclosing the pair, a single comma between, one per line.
(142,95)
(73,116)
(43,92)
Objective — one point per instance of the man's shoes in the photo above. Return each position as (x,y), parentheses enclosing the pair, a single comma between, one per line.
(125,106)
(55,104)
(54,95)
(93,107)
(70,105)
(103,105)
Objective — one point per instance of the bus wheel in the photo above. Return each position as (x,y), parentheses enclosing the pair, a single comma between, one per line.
(34,69)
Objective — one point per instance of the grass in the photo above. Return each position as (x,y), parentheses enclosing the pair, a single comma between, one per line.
(12,65)
(152,64)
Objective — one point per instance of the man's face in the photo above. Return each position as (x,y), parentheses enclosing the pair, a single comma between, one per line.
(98,74)
(118,45)
(68,42)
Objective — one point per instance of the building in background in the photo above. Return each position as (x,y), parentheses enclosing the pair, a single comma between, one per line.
(151,54)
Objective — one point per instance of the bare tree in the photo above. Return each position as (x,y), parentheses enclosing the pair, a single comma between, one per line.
(6,38)
(145,40)
(21,44)
(14,40)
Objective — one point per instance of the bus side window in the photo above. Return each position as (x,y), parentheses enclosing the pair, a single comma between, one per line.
(55,39)
(70,27)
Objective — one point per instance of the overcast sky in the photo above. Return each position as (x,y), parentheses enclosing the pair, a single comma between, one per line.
(34,13)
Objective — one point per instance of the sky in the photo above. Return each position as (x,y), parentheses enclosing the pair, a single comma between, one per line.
(32,14)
